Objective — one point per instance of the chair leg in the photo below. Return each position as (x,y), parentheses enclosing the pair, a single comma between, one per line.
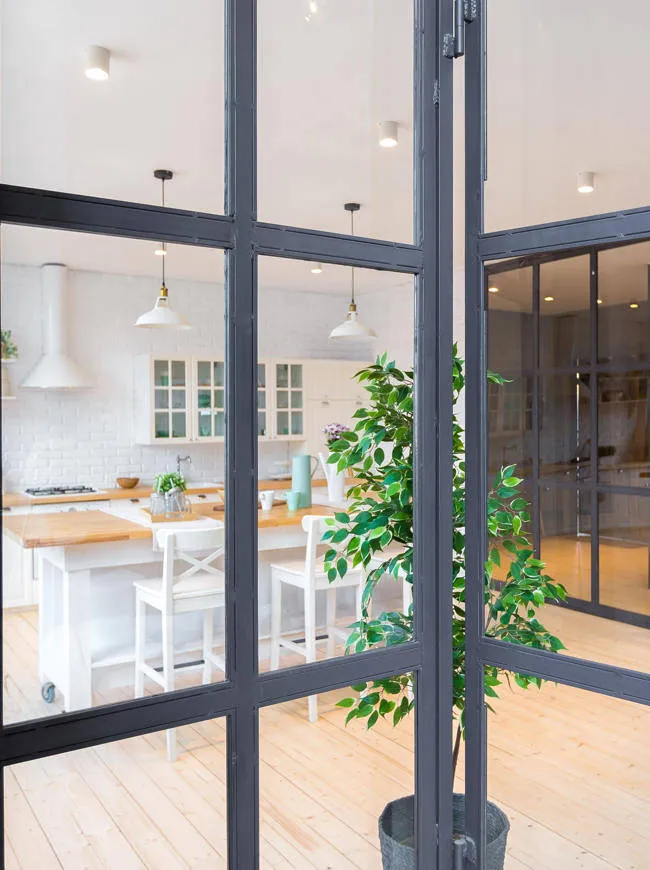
(140,629)
(310,645)
(208,643)
(276,621)
(331,621)
(168,674)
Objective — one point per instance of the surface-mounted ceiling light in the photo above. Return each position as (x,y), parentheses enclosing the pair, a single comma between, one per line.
(161,251)
(549,299)
(599,301)
(585,182)
(98,63)
(352,326)
(493,289)
(388,134)
(162,316)
(317,268)
(312,5)
(634,304)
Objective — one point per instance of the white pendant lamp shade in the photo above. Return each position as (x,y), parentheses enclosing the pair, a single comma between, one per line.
(98,63)
(352,326)
(162,315)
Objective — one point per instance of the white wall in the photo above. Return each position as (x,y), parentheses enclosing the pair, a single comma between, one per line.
(87,437)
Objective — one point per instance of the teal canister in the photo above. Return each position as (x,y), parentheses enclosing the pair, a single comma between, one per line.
(303,467)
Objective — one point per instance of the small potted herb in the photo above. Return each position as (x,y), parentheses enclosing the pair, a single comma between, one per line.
(167,497)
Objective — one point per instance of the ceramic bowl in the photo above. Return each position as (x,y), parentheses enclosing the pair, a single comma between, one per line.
(127,482)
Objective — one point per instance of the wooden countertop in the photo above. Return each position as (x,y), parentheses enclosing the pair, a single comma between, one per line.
(65,529)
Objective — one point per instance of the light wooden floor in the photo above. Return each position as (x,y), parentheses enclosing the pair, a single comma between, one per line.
(570,768)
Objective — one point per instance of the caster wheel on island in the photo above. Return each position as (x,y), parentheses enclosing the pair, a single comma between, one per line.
(48,692)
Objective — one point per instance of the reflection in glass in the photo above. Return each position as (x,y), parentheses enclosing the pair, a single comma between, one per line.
(565,532)
(510,322)
(623,448)
(564,333)
(565,444)
(623,287)
(623,551)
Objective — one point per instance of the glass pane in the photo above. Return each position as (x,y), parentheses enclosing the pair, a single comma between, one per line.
(203,374)
(510,320)
(104,137)
(282,398)
(568,769)
(565,445)
(331,395)
(564,333)
(261,375)
(162,425)
(204,398)
(104,434)
(545,121)
(219,398)
(178,373)
(623,549)
(219,374)
(179,425)
(296,376)
(220,424)
(205,424)
(296,399)
(282,375)
(261,423)
(283,422)
(161,372)
(122,804)
(261,399)
(565,532)
(319,142)
(623,286)
(296,423)
(623,428)
(306,813)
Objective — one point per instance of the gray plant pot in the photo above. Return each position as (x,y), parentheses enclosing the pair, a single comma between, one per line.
(397,827)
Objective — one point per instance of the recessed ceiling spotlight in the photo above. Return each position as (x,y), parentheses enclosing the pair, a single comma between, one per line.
(599,301)
(585,182)
(388,134)
(549,299)
(161,251)
(317,268)
(98,63)
(634,304)
(493,289)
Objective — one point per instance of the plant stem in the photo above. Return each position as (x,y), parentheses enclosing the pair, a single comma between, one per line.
(456,751)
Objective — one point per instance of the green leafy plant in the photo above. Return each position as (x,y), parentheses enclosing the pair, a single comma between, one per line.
(8,348)
(169,480)
(377,532)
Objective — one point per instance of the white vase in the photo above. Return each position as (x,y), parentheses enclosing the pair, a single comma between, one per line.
(335,481)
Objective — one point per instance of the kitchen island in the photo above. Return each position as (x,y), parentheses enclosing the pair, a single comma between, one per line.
(87,562)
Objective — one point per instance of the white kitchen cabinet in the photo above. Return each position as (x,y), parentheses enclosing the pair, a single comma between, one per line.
(208,400)
(281,400)
(163,397)
(18,583)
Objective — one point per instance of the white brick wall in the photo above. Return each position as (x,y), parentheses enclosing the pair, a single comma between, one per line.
(87,437)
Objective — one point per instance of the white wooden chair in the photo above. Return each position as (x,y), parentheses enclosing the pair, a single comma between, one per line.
(308,575)
(200,587)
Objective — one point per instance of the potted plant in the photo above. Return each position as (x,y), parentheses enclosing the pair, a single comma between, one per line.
(378,451)
(335,478)
(8,347)
(168,490)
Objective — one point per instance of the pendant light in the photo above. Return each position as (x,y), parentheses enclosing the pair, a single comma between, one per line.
(352,326)
(161,315)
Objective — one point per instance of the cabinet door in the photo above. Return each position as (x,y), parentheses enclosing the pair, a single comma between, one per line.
(171,388)
(289,401)
(209,399)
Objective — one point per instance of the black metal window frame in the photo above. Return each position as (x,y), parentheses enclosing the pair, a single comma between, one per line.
(244,239)
(482,249)
(593,486)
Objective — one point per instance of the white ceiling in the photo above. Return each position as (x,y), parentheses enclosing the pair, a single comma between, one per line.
(565,84)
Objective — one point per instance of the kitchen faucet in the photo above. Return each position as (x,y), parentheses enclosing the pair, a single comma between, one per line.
(180,459)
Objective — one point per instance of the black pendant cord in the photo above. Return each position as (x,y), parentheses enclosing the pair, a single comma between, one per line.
(164,246)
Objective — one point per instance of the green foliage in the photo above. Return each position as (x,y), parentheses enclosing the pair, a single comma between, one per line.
(8,348)
(169,480)
(379,453)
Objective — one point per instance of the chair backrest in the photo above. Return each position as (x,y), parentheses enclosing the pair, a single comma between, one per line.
(315,526)
(181,544)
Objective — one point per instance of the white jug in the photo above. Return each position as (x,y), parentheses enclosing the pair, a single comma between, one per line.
(335,481)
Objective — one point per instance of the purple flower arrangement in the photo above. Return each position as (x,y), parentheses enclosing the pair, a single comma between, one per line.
(333,432)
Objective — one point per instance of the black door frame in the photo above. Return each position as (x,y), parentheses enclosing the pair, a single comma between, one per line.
(244,239)
(481,248)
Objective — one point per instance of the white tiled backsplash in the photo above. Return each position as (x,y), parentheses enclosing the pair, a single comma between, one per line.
(87,437)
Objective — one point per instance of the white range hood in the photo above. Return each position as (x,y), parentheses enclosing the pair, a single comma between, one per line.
(55,370)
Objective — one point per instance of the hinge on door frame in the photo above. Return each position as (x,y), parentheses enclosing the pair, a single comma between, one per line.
(464,852)
(465,11)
